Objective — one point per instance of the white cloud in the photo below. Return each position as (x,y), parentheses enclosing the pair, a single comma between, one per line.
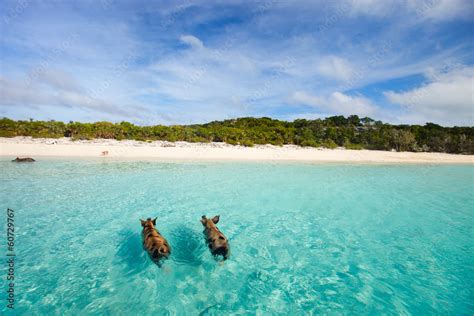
(447,99)
(219,82)
(192,41)
(58,79)
(335,67)
(439,10)
(442,9)
(371,7)
(337,103)
(49,94)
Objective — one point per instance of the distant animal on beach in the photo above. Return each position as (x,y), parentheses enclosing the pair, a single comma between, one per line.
(105,153)
(215,239)
(27,159)
(153,242)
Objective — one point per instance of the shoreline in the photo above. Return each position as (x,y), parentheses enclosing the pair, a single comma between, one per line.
(163,150)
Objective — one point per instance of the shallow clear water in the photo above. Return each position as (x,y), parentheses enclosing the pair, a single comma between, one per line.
(326,238)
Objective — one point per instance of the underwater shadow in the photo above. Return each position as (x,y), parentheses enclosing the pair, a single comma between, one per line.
(187,246)
(130,252)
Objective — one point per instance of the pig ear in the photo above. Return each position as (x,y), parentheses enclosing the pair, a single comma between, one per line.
(215,219)
(142,222)
(203,219)
(154,220)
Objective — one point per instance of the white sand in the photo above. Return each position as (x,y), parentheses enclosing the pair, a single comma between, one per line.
(64,147)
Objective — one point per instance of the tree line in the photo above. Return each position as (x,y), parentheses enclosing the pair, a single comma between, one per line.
(350,132)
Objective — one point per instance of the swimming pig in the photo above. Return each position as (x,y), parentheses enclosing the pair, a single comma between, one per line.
(216,241)
(155,244)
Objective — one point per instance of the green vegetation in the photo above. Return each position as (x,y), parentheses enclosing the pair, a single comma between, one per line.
(351,132)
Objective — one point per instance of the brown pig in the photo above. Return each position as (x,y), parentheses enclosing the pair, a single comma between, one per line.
(27,159)
(153,242)
(215,239)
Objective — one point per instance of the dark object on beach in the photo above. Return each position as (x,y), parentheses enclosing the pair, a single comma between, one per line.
(215,239)
(27,159)
(153,242)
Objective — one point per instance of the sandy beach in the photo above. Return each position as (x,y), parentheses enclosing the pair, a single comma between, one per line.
(64,147)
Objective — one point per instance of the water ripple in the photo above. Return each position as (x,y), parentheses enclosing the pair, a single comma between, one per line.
(305,239)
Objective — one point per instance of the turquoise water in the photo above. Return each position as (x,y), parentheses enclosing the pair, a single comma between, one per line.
(324,238)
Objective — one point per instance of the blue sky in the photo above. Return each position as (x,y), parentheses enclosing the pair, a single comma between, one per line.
(164,62)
